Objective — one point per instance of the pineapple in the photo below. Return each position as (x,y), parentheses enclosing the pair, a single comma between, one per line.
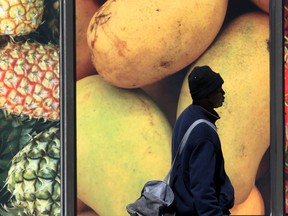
(29,105)
(29,80)
(51,21)
(20,17)
(15,133)
(34,175)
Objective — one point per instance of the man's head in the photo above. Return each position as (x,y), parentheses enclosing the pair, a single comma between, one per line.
(205,84)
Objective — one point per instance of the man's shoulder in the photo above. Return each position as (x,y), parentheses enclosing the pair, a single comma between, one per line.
(190,112)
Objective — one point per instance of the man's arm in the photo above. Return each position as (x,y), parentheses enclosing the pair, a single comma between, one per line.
(202,166)
(226,199)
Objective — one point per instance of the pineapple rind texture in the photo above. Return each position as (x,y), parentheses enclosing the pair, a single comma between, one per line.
(34,176)
(29,80)
(29,104)
(15,132)
(20,17)
(48,30)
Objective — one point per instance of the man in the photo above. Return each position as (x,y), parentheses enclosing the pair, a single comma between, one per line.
(198,178)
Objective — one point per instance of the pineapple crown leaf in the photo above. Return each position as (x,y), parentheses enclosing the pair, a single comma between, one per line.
(12,210)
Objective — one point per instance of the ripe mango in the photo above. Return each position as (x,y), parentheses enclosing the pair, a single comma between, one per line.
(85,10)
(136,43)
(253,205)
(241,55)
(262,4)
(166,92)
(123,141)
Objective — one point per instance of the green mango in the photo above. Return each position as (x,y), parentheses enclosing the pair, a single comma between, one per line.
(123,141)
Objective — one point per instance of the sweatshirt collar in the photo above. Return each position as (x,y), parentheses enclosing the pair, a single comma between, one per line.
(212,116)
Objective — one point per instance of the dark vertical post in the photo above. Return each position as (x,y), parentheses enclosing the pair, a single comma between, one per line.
(277,108)
(68,108)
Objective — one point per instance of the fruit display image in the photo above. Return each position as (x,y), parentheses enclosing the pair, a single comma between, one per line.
(29,108)
(34,175)
(132,59)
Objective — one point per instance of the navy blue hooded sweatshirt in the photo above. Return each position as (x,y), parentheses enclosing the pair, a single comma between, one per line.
(198,178)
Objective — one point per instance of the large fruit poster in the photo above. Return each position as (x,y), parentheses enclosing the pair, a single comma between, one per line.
(29,107)
(132,61)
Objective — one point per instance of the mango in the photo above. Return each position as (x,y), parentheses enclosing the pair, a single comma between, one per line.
(81,207)
(166,92)
(87,213)
(241,55)
(85,10)
(137,43)
(123,141)
(262,4)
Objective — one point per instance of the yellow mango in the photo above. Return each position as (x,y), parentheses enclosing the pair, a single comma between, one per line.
(123,141)
(85,10)
(241,55)
(262,4)
(136,43)
(253,205)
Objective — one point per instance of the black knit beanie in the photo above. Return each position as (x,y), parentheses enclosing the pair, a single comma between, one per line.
(203,81)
